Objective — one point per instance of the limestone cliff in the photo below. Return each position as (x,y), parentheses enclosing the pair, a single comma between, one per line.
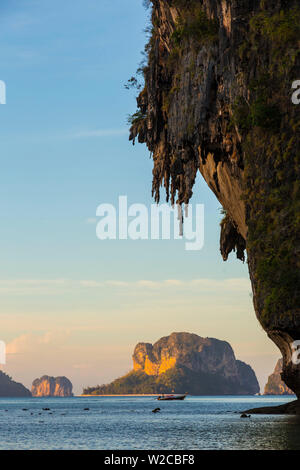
(207,355)
(52,387)
(185,362)
(217,99)
(10,388)
(275,385)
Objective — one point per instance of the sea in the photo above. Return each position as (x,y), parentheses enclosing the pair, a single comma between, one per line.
(128,423)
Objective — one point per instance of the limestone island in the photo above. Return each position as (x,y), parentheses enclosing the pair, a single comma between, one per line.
(10,388)
(275,384)
(183,363)
(52,387)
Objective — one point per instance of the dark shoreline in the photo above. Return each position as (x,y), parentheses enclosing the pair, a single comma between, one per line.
(291,408)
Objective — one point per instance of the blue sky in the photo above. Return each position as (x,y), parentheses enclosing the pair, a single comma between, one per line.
(64,151)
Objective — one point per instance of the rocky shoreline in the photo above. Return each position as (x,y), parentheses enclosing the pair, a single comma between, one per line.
(291,408)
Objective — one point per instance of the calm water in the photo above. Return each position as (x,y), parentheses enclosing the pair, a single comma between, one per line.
(128,423)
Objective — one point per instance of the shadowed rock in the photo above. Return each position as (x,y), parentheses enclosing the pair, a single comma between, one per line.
(275,384)
(291,408)
(10,388)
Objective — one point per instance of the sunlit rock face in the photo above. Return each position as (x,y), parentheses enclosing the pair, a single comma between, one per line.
(183,363)
(199,355)
(275,384)
(186,349)
(217,100)
(52,387)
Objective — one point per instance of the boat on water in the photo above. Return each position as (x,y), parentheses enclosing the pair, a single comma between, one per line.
(171,397)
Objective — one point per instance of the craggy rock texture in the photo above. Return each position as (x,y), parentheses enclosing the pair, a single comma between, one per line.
(52,387)
(217,99)
(207,355)
(185,362)
(9,388)
(275,385)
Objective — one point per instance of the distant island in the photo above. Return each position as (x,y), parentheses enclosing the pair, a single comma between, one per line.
(275,385)
(183,362)
(47,386)
(10,388)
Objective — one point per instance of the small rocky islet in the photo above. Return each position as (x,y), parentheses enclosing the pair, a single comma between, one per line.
(45,386)
(48,386)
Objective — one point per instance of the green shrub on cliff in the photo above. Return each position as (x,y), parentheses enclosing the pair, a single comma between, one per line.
(136,118)
(272,190)
(193,24)
(260,113)
(281,28)
(282,32)
(272,160)
(179,379)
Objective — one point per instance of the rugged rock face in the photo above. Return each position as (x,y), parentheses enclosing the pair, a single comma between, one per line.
(207,355)
(9,388)
(52,387)
(185,362)
(275,385)
(217,99)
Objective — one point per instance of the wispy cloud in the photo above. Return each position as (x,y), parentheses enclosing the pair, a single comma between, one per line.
(37,286)
(27,343)
(99,133)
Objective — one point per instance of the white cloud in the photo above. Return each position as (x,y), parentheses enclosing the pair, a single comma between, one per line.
(99,133)
(149,284)
(117,283)
(31,343)
(234,284)
(31,286)
(91,284)
(173,282)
